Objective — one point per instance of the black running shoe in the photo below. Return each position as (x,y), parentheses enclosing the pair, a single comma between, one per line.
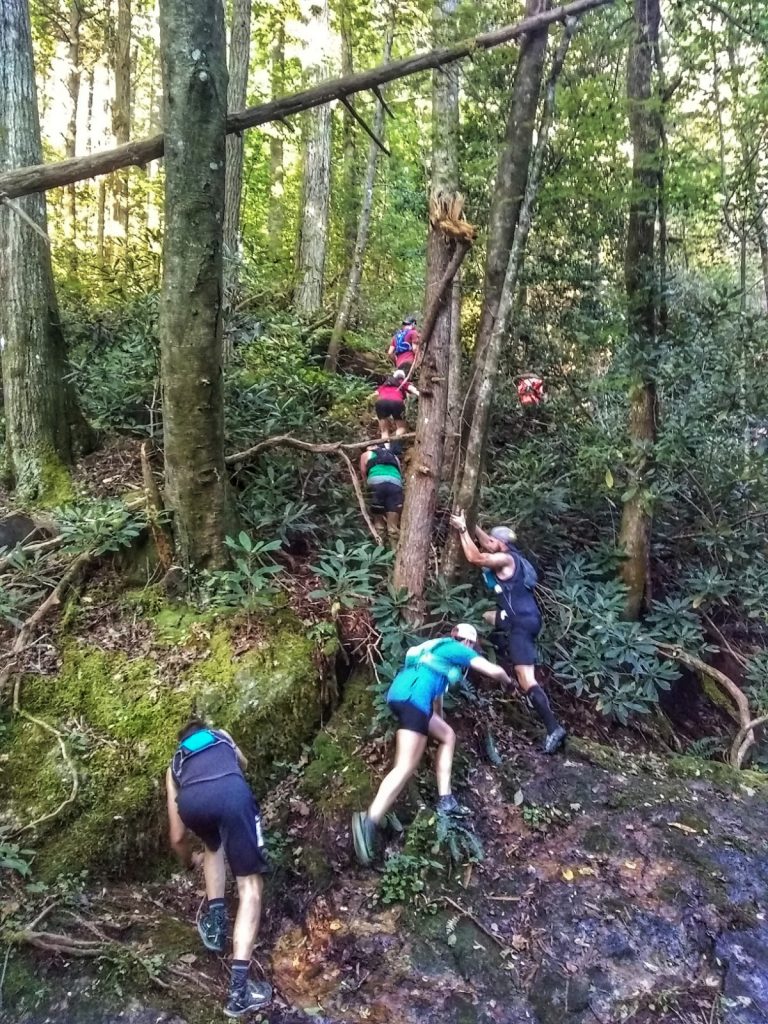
(212,928)
(364,837)
(554,740)
(450,805)
(253,995)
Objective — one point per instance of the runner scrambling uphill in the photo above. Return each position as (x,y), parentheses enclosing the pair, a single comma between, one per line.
(380,468)
(530,390)
(404,346)
(512,578)
(208,795)
(390,403)
(415,698)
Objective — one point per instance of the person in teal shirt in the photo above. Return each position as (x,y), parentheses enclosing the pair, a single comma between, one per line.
(415,698)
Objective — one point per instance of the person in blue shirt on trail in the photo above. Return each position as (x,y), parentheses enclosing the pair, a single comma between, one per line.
(415,698)
(512,578)
(209,796)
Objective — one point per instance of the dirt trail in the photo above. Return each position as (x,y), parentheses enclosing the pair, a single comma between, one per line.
(614,888)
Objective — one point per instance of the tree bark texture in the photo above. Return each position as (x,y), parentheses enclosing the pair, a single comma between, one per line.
(195,82)
(455,390)
(275,216)
(511,178)
(73,90)
(468,490)
(425,465)
(640,273)
(239,57)
(121,107)
(43,423)
(45,176)
(363,226)
(349,175)
(308,297)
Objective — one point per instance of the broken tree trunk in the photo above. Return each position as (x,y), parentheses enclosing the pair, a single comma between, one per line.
(41,177)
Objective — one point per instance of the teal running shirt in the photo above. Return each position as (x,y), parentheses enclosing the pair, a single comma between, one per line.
(430,668)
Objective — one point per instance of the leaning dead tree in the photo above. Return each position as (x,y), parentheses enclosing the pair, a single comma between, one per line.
(39,178)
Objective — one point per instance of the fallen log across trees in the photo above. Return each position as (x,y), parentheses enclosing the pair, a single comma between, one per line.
(23,181)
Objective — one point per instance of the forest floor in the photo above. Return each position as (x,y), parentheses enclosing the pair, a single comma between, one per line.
(615,887)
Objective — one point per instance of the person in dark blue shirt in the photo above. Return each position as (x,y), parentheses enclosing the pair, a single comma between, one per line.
(416,700)
(512,579)
(209,796)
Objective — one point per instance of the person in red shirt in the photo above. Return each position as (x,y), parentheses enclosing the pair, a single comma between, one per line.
(530,390)
(390,403)
(404,346)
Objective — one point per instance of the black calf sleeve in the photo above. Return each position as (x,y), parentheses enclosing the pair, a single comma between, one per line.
(540,704)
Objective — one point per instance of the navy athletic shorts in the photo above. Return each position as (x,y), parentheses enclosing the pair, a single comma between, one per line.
(520,632)
(386,407)
(386,496)
(409,716)
(224,811)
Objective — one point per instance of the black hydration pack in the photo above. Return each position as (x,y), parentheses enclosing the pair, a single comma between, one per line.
(196,743)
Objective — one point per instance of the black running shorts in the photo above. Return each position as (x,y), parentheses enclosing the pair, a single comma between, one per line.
(409,716)
(520,633)
(386,407)
(386,496)
(224,811)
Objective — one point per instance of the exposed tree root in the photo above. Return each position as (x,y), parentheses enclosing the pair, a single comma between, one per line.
(745,738)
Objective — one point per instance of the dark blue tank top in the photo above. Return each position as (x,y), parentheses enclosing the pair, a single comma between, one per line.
(513,596)
(215,760)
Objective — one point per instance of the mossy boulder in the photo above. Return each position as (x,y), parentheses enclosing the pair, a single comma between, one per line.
(119,716)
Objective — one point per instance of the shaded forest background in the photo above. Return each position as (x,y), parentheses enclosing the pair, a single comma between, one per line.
(572,476)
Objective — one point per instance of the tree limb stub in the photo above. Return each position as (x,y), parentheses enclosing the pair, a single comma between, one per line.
(25,180)
(361,121)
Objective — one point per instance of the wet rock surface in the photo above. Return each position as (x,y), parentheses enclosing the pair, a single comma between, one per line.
(614,888)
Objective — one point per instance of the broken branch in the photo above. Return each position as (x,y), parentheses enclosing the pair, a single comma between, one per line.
(365,127)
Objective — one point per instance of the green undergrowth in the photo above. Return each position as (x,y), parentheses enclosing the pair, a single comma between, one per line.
(119,716)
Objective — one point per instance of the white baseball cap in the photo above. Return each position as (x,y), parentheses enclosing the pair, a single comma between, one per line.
(464,631)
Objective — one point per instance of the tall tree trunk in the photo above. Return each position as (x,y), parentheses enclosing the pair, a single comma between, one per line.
(121,107)
(73,90)
(469,487)
(195,83)
(455,390)
(349,176)
(276,172)
(640,273)
(43,424)
(239,56)
(509,190)
(349,298)
(511,178)
(425,465)
(308,297)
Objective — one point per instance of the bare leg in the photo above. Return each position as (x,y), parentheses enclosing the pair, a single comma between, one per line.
(446,737)
(400,428)
(409,751)
(490,618)
(249,888)
(393,528)
(384,429)
(215,873)
(526,676)
(380,523)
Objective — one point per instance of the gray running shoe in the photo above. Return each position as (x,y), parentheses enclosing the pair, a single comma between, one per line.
(450,805)
(247,997)
(212,929)
(554,740)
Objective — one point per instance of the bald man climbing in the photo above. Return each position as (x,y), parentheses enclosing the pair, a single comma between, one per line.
(512,578)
